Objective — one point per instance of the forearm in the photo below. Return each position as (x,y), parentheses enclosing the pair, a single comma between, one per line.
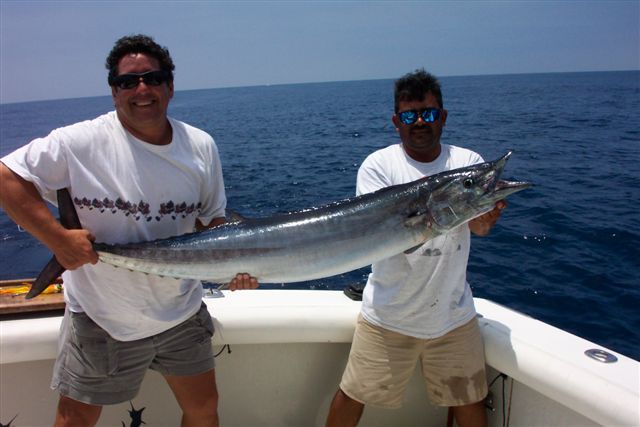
(24,205)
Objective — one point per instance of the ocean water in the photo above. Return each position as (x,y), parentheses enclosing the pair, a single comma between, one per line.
(565,251)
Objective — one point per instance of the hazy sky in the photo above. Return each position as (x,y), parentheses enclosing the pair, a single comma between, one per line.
(57,49)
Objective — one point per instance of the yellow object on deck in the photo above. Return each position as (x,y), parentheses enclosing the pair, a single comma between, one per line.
(24,288)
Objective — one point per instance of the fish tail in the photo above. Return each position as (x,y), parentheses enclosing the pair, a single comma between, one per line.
(49,273)
(69,219)
(68,215)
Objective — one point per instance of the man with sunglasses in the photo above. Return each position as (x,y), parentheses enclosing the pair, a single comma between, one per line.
(128,172)
(417,306)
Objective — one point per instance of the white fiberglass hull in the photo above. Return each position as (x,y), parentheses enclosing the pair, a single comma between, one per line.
(288,350)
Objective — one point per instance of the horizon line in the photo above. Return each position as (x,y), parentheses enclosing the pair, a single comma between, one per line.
(333,81)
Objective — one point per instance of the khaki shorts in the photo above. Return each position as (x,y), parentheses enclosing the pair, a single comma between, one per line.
(382,362)
(94,368)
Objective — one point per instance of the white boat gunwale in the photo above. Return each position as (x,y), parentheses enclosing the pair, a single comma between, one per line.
(534,354)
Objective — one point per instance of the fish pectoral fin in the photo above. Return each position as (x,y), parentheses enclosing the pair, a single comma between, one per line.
(416,220)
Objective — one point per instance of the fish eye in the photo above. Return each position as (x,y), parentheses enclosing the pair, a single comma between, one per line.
(467,183)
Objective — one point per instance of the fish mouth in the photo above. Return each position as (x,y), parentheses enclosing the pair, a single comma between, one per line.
(509,187)
(502,188)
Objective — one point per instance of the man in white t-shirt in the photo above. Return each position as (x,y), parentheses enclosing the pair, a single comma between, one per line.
(417,306)
(134,174)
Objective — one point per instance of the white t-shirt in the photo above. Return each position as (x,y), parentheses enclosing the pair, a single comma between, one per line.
(423,294)
(126,190)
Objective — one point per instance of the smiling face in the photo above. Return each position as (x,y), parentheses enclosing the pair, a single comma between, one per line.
(421,141)
(142,110)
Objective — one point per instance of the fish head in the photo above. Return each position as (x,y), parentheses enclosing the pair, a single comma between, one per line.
(459,195)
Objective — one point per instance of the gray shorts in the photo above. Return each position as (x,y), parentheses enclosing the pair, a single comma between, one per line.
(94,368)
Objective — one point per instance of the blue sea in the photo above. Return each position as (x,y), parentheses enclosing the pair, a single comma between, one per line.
(564,252)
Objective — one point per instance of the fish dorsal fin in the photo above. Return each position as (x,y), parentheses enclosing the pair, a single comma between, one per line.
(233,216)
(413,249)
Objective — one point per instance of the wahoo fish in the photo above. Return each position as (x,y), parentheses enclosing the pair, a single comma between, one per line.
(317,242)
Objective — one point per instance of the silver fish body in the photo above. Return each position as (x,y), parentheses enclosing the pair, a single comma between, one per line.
(325,241)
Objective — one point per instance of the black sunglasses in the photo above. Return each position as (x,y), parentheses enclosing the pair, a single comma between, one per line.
(429,115)
(131,80)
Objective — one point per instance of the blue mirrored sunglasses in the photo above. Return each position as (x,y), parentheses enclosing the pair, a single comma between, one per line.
(429,115)
(131,80)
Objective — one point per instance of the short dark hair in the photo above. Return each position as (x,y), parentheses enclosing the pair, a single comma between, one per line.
(138,43)
(414,87)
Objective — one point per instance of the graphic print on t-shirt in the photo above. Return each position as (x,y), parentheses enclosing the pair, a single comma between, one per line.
(140,209)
